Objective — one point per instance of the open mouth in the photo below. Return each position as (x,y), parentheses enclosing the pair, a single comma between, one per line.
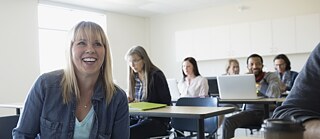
(89,59)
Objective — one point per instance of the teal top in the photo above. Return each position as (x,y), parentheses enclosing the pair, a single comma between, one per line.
(82,129)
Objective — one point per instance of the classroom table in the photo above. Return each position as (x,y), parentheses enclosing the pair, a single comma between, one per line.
(192,112)
(265,101)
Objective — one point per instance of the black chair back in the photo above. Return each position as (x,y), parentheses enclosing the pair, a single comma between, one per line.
(7,123)
(190,125)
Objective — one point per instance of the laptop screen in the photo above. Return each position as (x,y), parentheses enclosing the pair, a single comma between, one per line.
(213,86)
(237,86)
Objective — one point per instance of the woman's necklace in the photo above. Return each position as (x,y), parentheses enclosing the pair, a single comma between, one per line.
(85,104)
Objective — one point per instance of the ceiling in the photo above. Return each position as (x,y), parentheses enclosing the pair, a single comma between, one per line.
(146,8)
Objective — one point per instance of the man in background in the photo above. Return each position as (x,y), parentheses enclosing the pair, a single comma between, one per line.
(268,85)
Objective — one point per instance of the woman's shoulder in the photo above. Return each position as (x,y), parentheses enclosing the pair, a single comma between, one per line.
(201,78)
(293,72)
(119,92)
(52,77)
(156,72)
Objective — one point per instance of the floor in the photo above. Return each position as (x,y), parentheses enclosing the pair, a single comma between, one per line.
(243,133)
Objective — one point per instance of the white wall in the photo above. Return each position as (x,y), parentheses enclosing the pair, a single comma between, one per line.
(19,47)
(163,28)
(123,33)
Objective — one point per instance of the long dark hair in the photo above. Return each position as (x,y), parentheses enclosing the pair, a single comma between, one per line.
(194,64)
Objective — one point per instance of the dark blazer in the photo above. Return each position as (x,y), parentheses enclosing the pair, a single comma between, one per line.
(158,91)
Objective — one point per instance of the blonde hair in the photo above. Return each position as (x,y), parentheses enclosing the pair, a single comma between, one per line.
(148,66)
(69,81)
(229,63)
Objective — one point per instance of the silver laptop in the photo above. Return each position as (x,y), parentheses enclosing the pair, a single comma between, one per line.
(173,87)
(237,86)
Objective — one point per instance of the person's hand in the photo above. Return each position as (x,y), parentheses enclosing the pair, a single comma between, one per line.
(283,87)
(312,129)
(130,99)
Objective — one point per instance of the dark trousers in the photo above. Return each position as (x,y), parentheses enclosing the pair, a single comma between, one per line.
(145,128)
(242,119)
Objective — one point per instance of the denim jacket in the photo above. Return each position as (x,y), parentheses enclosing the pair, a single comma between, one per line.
(45,115)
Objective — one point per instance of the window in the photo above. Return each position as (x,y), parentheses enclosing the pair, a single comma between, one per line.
(54,26)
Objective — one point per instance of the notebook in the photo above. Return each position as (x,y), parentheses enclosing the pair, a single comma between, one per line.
(237,87)
(145,106)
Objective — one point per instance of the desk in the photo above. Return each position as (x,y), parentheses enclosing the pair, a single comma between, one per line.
(265,101)
(16,106)
(199,113)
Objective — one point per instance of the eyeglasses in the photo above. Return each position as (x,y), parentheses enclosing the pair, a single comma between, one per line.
(136,61)
(280,65)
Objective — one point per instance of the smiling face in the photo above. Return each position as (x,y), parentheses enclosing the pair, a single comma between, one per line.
(87,55)
(255,65)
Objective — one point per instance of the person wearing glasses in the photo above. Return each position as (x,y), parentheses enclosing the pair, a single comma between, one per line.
(192,83)
(81,101)
(283,70)
(147,83)
(269,86)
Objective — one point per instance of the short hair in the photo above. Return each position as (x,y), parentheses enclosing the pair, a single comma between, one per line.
(194,64)
(285,59)
(254,55)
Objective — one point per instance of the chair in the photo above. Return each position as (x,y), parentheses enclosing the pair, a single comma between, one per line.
(190,125)
(250,127)
(7,123)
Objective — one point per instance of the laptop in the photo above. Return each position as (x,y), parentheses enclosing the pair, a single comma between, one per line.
(173,87)
(213,86)
(237,86)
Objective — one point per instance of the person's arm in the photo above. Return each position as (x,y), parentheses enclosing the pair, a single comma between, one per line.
(121,126)
(274,89)
(204,87)
(302,103)
(159,89)
(181,88)
(29,122)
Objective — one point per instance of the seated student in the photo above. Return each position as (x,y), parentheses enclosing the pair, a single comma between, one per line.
(146,82)
(192,83)
(283,70)
(303,103)
(254,113)
(232,67)
(80,101)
